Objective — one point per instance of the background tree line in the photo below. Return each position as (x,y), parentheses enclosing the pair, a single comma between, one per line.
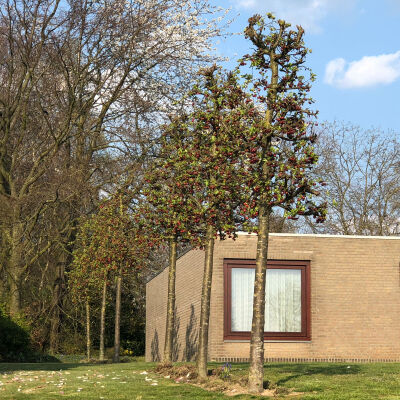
(84,87)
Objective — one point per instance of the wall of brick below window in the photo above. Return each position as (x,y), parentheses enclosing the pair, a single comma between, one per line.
(355,300)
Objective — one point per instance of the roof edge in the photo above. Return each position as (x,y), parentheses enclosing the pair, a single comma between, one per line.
(180,255)
(316,235)
(325,236)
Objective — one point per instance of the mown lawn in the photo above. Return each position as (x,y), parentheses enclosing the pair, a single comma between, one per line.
(127,381)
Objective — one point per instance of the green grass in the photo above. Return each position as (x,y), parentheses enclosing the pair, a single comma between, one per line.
(124,381)
(330,381)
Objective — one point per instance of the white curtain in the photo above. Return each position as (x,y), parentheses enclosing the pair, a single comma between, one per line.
(282,301)
(242,299)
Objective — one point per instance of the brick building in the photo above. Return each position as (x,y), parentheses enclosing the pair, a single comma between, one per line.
(333,298)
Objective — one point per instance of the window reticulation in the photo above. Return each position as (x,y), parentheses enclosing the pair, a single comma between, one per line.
(287,299)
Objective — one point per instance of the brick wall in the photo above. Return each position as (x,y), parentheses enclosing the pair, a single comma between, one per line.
(355,299)
(189,274)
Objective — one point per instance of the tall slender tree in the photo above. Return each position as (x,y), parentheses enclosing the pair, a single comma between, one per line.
(220,118)
(280,151)
(110,245)
(82,281)
(199,177)
(166,212)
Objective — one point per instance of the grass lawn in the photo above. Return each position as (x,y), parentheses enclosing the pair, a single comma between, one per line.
(125,381)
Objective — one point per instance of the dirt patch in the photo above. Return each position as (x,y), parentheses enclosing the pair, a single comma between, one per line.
(235,391)
(182,373)
(217,381)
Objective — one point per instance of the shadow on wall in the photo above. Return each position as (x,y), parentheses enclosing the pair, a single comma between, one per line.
(190,352)
(176,346)
(155,348)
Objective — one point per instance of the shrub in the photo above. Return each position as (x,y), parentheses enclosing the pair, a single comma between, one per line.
(14,339)
(133,347)
(15,344)
(72,343)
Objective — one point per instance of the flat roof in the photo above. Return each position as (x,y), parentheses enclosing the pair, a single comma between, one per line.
(326,236)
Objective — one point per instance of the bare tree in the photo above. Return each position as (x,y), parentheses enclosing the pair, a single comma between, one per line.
(361,169)
(72,75)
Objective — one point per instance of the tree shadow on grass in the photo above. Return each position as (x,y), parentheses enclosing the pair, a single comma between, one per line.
(299,370)
(12,367)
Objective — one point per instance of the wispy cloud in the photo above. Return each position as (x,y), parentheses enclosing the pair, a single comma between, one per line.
(308,13)
(369,71)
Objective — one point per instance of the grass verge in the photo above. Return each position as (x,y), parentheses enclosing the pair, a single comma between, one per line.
(47,381)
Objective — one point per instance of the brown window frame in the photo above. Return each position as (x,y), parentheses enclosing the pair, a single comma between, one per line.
(304,266)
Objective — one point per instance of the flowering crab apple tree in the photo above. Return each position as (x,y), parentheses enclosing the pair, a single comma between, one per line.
(198,177)
(166,212)
(110,243)
(221,116)
(280,152)
(81,281)
(194,186)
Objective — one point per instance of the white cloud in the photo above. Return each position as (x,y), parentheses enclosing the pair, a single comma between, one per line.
(333,68)
(307,13)
(369,71)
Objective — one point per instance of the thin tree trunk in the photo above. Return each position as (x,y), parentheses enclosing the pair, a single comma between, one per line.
(103,320)
(88,341)
(169,327)
(117,338)
(56,304)
(205,304)
(256,369)
(54,323)
(15,265)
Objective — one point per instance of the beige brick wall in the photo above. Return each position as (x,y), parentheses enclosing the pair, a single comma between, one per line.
(355,298)
(189,274)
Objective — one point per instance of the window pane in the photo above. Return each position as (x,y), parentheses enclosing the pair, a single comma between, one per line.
(242,299)
(282,302)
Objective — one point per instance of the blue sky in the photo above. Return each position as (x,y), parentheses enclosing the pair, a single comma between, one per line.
(356,54)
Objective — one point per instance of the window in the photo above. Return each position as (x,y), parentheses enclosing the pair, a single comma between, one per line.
(287,301)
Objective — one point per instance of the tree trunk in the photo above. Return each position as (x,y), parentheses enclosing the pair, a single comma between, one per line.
(15,298)
(56,305)
(103,320)
(169,328)
(205,304)
(117,342)
(15,267)
(88,341)
(256,369)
